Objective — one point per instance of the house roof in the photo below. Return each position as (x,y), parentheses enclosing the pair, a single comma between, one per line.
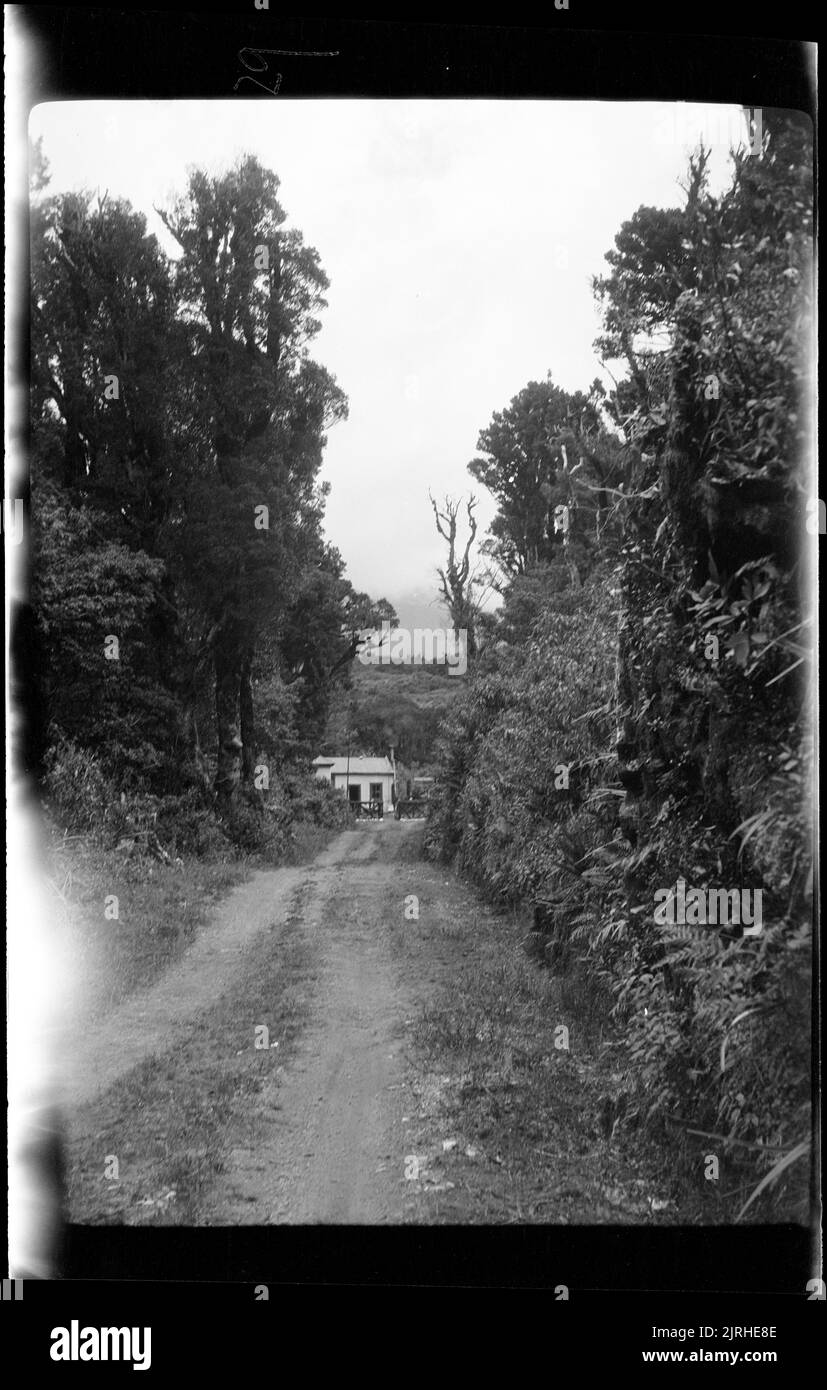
(358,766)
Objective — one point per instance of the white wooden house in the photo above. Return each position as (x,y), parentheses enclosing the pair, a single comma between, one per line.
(362,780)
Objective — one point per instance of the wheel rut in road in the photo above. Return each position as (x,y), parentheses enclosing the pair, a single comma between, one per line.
(329,1144)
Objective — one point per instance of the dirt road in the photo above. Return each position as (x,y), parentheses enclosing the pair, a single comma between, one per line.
(325,1143)
(356,1041)
(330,1149)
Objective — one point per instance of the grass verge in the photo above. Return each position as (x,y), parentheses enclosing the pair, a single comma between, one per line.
(168,1124)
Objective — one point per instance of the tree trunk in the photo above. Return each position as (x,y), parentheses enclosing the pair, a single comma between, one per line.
(248,719)
(574,573)
(227,698)
(189,723)
(464,622)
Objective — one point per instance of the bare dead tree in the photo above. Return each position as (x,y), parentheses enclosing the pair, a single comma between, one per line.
(455,578)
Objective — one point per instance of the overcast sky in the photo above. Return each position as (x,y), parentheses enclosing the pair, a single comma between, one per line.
(459,239)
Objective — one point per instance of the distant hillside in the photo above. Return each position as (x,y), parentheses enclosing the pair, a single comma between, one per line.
(419,608)
(400,704)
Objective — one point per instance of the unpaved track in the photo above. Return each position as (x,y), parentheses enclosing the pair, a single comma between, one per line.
(369,1014)
(328,1138)
(331,1145)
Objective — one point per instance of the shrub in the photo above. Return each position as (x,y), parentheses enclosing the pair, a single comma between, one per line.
(313,800)
(186,825)
(529,722)
(79,793)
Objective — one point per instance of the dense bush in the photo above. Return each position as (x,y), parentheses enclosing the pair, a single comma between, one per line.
(311,799)
(188,617)
(82,800)
(76,788)
(89,588)
(705,679)
(535,717)
(186,825)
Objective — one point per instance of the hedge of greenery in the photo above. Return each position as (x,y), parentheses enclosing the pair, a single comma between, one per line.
(676,682)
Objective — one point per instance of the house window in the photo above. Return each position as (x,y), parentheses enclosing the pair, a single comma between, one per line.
(354,791)
(376,791)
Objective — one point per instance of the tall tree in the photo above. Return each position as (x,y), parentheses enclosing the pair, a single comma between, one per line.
(522,467)
(652,264)
(322,633)
(106,428)
(252,291)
